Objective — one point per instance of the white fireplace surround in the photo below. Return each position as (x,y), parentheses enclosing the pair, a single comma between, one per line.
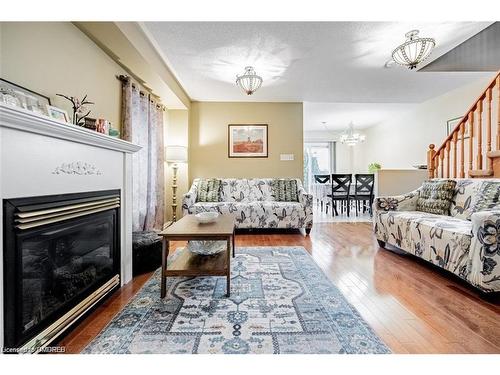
(41,156)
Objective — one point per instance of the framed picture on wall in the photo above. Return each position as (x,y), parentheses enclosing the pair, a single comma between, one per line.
(451,124)
(247,141)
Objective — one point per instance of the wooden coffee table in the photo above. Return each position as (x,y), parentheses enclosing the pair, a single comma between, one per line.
(189,264)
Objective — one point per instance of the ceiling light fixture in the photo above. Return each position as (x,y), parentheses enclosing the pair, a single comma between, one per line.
(350,138)
(249,81)
(414,50)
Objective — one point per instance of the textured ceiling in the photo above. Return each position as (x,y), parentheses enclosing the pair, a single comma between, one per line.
(306,61)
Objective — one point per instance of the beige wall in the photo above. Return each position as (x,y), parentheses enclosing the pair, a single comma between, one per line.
(176,133)
(56,58)
(404,140)
(208,151)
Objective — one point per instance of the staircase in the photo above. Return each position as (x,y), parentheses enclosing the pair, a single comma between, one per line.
(464,153)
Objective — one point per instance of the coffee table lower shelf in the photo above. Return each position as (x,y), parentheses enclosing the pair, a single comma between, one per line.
(189,264)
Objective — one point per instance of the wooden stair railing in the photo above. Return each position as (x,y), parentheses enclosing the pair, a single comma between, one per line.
(450,160)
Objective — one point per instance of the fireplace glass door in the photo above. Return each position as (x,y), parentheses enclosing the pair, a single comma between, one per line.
(59,265)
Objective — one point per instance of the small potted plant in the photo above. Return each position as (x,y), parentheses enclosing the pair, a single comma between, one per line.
(373,167)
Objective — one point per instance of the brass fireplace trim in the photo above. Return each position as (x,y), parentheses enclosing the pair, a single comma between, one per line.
(39,221)
(48,335)
(55,210)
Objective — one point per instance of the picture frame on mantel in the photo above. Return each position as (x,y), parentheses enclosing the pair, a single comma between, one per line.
(42,99)
(57,114)
(247,141)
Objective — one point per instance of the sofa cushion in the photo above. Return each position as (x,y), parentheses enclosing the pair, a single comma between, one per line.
(465,193)
(235,190)
(488,197)
(285,190)
(260,189)
(209,190)
(436,196)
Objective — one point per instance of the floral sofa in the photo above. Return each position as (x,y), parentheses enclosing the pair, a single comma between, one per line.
(253,204)
(465,243)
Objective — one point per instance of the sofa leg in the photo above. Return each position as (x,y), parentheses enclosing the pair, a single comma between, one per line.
(308,230)
(381,244)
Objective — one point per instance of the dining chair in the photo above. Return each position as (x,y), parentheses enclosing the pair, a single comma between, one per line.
(321,179)
(341,186)
(363,191)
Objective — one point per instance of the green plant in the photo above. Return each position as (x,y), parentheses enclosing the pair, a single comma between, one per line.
(374,167)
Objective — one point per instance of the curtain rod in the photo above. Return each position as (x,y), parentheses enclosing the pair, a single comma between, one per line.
(125,78)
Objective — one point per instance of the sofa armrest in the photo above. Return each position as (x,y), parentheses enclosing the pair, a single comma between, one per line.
(485,250)
(189,198)
(406,202)
(305,198)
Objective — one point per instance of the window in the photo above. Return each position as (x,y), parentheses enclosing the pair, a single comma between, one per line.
(319,158)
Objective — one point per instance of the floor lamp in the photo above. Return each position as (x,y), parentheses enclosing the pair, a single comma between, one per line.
(175,155)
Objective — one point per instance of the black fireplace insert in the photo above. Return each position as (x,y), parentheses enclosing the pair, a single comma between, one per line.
(58,250)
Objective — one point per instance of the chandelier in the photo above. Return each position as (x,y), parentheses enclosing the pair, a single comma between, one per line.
(414,50)
(249,81)
(350,138)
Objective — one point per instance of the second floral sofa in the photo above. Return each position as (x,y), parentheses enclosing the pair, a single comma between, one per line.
(253,203)
(465,242)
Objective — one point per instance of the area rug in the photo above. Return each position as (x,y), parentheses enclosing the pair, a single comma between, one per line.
(281,303)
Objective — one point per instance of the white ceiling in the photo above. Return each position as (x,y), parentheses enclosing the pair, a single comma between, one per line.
(337,116)
(306,61)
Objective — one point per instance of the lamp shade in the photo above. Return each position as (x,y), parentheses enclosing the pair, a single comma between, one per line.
(176,154)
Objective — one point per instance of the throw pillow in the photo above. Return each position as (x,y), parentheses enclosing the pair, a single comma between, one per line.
(436,196)
(285,190)
(209,190)
(488,197)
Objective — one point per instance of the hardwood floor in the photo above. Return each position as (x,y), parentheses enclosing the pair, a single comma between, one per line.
(413,307)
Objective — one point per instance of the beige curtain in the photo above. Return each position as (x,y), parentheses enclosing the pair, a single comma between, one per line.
(143,125)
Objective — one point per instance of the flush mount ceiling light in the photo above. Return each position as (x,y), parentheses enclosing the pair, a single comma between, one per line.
(249,81)
(350,138)
(414,50)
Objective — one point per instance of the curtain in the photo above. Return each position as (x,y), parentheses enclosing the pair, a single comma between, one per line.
(143,125)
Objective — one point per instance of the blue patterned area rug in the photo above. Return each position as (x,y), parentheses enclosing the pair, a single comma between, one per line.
(281,302)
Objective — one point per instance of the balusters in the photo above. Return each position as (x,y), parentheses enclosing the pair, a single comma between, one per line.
(462,150)
(479,160)
(441,155)
(436,166)
(455,162)
(471,138)
(489,162)
(448,144)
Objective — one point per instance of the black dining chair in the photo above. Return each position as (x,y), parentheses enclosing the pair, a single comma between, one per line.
(363,192)
(341,186)
(321,179)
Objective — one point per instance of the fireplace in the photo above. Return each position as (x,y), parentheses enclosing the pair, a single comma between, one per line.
(61,257)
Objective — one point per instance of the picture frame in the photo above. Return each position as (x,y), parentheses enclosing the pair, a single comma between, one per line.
(57,114)
(450,125)
(247,141)
(42,99)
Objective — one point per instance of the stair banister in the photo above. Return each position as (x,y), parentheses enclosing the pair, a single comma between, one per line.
(473,118)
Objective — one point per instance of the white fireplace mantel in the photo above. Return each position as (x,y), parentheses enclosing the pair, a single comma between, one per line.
(42,156)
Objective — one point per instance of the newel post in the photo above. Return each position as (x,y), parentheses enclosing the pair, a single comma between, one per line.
(430,160)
